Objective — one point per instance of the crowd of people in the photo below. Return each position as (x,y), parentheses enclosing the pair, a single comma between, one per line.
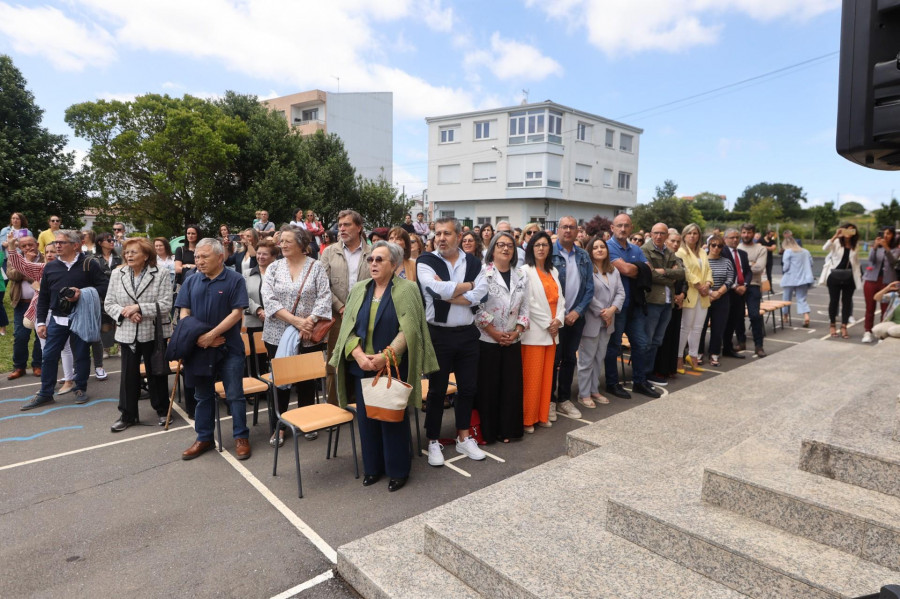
(517,319)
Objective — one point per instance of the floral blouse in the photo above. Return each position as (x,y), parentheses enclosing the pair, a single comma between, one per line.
(504,307)
(280,292)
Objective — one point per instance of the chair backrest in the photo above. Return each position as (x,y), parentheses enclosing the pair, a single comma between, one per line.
(296,369)
(258,343)
(246,339)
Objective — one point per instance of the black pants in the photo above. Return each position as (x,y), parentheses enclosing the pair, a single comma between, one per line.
(306,391)
(840,291)
(566,361)
(130,385)
(456,349)
(716,319)
(734,323)
(499,398)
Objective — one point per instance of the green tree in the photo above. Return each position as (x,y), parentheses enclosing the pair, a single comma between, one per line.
(787,196)
(379,204)
(888,214)
(711,206)
(825,219)
(330,184)
(852,209)
(37,177)
(666,191)
(764,213)
(672,211)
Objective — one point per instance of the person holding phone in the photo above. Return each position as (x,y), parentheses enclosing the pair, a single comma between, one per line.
(878,273)
(841,274)
(890,323)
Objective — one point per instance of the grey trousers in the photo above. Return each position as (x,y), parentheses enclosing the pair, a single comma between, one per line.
(591,354)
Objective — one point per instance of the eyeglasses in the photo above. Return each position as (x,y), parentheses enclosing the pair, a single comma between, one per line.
(57,242)
(541,245)
(504,246)
(375,259)
(715,245)
(118,230)
(567,227)
(54,220)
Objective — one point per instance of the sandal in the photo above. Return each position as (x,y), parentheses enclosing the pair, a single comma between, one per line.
(587,402)
(844,332)
(832,330)
(806,322)
(699,359)
(713,360)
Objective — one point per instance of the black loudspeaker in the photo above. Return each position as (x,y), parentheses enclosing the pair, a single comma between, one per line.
(868,127)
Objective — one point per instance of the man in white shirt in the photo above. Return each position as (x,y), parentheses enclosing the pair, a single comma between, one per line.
(265,228)
(452,284)
(420,226)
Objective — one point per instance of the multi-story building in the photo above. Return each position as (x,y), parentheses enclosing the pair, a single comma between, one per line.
(534,162)
(364,122)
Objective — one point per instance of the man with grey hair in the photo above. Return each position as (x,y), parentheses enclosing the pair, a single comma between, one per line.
(665,272)
(453,285)
(62,283)
(216,297)
(504,225)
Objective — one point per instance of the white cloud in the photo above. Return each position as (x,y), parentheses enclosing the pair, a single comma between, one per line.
(117,96)
(509,59)
(45,31)
(435,16)
(172,85)
(629,26)
(404,179)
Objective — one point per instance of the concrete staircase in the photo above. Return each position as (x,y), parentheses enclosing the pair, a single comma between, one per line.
(778,479)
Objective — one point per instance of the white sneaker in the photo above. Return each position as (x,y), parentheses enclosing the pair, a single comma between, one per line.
(852,320)
(868,337)
(435,455)
(469,448)
(101,374)
(569,409)
(551,417)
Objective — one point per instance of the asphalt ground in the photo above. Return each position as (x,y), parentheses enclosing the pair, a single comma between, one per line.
(88,513)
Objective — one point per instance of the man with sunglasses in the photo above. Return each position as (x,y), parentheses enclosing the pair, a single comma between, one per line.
(48,235)
(118,237)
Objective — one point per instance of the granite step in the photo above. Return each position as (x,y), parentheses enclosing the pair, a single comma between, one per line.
(857,521)
(542,534)
(741,553)
(390,564)
(868,463)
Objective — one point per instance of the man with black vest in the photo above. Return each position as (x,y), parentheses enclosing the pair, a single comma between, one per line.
(452,286)
(737,293)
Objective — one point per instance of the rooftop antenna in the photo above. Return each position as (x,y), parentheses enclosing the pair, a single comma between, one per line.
(339,83)
(524,97)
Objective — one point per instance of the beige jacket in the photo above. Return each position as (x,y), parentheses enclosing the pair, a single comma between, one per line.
(338,274)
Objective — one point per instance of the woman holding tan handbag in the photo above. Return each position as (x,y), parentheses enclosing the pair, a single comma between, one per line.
(381,312)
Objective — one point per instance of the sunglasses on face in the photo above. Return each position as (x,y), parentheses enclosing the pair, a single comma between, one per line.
(54,220)
(715,245)
(375,259)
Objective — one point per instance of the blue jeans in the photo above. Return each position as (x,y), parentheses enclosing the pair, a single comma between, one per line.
(658,317)
(753,298)
(565,360)
(800,291)
(633,323)
(231,371)
(21,337)
(56,341)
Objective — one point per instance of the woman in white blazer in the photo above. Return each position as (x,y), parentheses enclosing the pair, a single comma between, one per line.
(546,313)
(842,275)
(599,321)
(138,294)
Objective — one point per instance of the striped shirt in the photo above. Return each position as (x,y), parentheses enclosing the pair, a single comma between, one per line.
(722,271)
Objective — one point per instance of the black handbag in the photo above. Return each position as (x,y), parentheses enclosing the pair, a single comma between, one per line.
(159,365)
(841,275)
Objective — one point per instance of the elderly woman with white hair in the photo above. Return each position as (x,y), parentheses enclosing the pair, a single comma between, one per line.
(383,312)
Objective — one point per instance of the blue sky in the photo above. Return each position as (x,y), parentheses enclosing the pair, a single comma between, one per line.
(613,58)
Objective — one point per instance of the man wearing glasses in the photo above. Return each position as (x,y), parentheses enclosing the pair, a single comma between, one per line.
(577,281)
(118,237)
(61,284)
(666,271)
(49,235)
(504,225)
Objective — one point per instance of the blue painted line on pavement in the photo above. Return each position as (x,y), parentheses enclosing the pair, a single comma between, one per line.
(41,434)
(86,405)
(9,400)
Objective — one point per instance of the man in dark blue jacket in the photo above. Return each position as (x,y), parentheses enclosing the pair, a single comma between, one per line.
(61,285)
(577,280)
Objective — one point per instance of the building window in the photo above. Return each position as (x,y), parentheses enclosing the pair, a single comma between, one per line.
(483,220)
(624,180)
(500,219)
(626,142)
(584,132)
(554,170)
(484,129)
(533,126)
(610,134)
(448,173)
(310,115)
(525,170)
(484,171)
(448,213)
(607,177)
(554,127)
(450,134)
(582,173)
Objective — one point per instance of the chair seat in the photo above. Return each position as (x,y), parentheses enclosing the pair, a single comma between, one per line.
(251,386)
(451,388)
(172,367)
(316,417)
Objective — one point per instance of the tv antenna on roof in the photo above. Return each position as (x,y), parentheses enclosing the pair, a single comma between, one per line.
(524,96)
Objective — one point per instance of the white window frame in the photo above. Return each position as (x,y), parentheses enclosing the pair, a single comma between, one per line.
(627,179)
(622,146)
(447,168)
(611,139)
(608,177)
(484,129)
(537,125)
(582,179)
(483,220)
(584,132)
(448,134)
(448,213)
(489,177)
(312,113)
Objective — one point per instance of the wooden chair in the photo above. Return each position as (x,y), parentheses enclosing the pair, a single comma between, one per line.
(258,348)
(306,419)
(172,367)
(251,386)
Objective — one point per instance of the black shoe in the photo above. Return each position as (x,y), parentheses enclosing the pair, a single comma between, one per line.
(161,420)
(81,397)
(731,354)
(120,425)
(36,402)
(657,380)
(645,389)
(396,484)
(619,391)
(371,479)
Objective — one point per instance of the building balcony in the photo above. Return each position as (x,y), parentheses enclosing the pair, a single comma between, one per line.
(309,127)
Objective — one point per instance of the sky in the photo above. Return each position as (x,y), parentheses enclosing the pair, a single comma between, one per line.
(729,94)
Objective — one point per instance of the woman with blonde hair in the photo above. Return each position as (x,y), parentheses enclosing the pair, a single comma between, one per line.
(699,280)
(528,232)
(797,276)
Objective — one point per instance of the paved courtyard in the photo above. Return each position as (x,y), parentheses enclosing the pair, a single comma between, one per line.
(88,513)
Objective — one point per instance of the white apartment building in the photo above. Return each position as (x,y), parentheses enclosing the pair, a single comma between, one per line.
(364,122)
(531,163)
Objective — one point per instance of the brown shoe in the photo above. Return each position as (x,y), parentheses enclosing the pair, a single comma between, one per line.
(17,373)
(242,448)
(36,372)
(196,450)
(760,352)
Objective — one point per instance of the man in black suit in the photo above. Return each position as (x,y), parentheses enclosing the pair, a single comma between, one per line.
(735,323)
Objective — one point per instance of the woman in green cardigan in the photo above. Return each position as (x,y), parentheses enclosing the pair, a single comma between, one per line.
(381,311)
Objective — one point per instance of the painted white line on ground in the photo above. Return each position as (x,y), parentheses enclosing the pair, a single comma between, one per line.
(493,457)
(92,447)
(279,505)
(783,341)
(573,418)
(849,326)
(455,459)
(449,464)
(306,585)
